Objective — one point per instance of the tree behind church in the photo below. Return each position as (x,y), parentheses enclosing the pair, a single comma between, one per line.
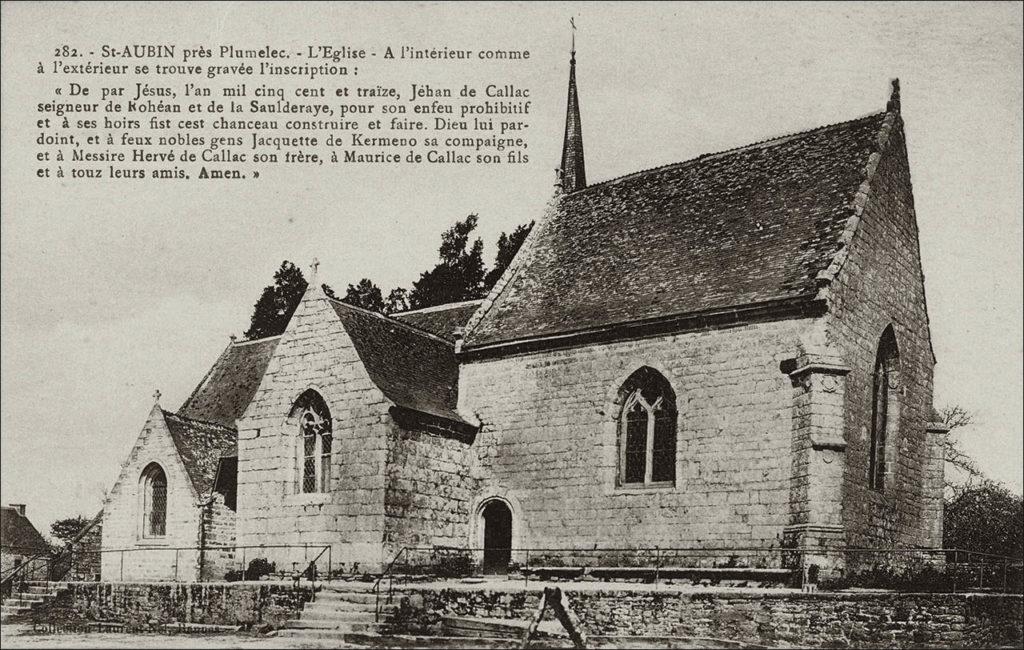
(460,273)
(365,294)
(508,246)
(67,529)
(277,303)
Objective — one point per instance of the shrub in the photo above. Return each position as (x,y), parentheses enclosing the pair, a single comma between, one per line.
(453,564)
(258,568)
(925,578)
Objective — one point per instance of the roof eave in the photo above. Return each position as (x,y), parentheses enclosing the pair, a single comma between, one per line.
(806,305)
(411,418)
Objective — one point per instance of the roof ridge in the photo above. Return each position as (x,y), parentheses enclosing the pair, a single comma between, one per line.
(393,321)
(200,421)
(780,139)
(433,308)
(251,341)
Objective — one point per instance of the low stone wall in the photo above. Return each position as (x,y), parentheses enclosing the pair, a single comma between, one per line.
(249,604)
(774,618)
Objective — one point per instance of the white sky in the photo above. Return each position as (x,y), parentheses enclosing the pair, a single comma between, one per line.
(110,291)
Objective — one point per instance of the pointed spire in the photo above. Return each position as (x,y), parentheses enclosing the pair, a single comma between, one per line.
(572,173)
(894,99)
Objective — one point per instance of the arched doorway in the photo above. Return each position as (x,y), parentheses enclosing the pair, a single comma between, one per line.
(497,521)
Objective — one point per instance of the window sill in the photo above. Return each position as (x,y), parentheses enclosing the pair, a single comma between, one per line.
(152,542)
(632,488)
(307,499)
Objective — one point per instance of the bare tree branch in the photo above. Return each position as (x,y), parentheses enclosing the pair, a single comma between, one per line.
(955,417)
(958,418)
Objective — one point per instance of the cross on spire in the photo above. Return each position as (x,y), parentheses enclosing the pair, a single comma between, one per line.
(313,269)
(572,22)
(156,397)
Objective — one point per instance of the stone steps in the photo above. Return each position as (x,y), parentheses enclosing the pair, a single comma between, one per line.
(339,616)
(302,626)
(23,602)
(335,612)
(346,596)
(398,641)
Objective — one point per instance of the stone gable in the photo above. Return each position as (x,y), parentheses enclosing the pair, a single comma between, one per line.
(316,353)
(882,284)
(128,555)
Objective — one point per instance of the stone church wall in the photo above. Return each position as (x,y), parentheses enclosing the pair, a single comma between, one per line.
(549,440)
(218,533)
(881,283)
(429,490)
(129,556)
(315,352)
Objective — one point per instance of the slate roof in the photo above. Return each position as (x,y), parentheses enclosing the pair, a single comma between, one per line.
(200,445)
(17,533)
(229,386)
(414,369)
(442,319)
(742,227)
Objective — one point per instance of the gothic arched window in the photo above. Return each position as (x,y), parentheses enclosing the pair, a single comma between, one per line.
(154,501)
(314,442)
(647,429)
(884,407)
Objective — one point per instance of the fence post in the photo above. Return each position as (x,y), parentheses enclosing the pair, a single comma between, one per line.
(122,565)
(330,561)
(526,569)
(175,565)
(243,563)
(657,564)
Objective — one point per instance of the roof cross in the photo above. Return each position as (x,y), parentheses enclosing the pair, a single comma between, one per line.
(572,22)
(313,268)
(156,396)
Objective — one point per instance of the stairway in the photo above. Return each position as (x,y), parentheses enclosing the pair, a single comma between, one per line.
(338,610)
(22,603)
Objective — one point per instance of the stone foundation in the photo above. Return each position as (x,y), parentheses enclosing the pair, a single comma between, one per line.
(777,618)
(235,604)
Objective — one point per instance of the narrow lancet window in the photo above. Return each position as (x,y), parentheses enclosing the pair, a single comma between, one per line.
(884,408)
(315,442)
(154,501)
(647,430)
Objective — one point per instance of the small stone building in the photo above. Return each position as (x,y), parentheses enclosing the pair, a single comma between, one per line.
(728,352)
(20,541)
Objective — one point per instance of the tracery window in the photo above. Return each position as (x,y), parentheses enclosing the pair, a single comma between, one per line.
(154,501)
(647,430)
(314,442)
(884,407)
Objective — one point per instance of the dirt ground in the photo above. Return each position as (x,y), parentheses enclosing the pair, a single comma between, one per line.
(22,636)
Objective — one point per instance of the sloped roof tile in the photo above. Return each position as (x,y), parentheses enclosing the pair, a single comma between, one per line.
(200,445)
(441,320)
(17,532)
(413,369)
(742,227)
(229,386)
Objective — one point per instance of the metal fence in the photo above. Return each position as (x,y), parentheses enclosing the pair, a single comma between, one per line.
(900,568)
(180,564)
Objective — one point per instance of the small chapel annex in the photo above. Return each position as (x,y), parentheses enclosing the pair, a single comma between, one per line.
(731,351)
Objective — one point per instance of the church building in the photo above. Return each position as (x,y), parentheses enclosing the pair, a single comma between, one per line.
(727,352)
